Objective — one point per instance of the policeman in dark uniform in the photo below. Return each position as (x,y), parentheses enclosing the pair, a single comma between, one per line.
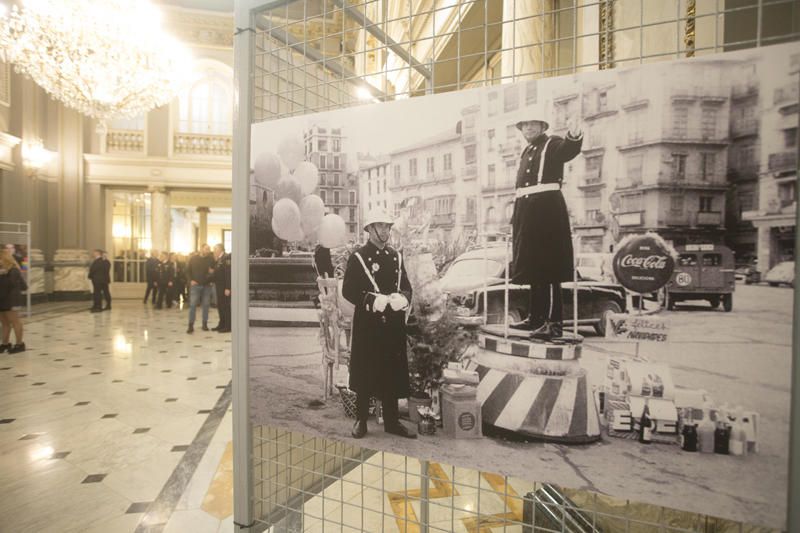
(376,283)
(222,282)
(543,255)
(165,276)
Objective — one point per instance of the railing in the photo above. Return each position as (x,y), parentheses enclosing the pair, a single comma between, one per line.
(447,219)
(704,92)
(677,218)
(202,144)
(469,218)
(633,218)
(687,135)
(709,218)
(786,95)
(747,88)
(470,171)
(782,161)
(511,148)
(125,141)
(744,127)
(592,220)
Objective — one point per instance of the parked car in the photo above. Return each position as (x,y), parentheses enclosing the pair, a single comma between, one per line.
(595,266)
(748,274)
(702,272)
(467,276)
(781,274)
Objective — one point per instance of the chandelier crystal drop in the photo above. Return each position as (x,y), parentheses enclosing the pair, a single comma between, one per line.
(105,58)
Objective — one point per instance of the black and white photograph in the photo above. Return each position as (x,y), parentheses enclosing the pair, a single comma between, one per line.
(584,280)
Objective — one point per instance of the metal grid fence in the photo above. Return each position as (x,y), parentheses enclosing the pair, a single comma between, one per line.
(317,55)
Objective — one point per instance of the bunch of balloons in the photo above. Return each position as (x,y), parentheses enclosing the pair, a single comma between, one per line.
(298,214)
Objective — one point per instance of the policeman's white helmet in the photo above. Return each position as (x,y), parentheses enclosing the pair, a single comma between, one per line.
(376,215)
(544,124)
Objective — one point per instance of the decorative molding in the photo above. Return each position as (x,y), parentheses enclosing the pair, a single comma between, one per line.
(5,84)
(689,32)
(156,171)
(7,144)
(606,34)
(199,28)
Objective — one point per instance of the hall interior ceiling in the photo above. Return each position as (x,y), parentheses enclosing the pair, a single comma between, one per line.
(399,47)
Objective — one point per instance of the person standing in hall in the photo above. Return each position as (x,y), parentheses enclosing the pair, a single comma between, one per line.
(11,286)
(150,267)
(201,267)
(100,275)
(179,292)
(375,282)
(543,255)
(222,282)
(166,281)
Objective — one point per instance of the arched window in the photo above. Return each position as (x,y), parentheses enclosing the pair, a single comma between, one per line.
(207,105)
(490,215)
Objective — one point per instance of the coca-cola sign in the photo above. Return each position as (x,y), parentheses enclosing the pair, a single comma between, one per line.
(643,264)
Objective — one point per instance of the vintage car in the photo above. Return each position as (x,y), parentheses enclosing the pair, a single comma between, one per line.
(781,274)
(467,276)
(702,272)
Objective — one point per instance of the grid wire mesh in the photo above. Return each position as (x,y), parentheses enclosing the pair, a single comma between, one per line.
(317,55)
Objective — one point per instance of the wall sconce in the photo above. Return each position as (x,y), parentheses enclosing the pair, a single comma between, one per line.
(35,156)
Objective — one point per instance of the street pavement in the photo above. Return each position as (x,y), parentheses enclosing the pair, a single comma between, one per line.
(740,358)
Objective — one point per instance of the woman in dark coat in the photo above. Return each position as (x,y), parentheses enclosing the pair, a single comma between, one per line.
(543,255)
(376,283)
(11,286)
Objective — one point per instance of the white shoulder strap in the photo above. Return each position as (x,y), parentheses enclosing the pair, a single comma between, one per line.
(541,161)
(367,272)
(399,269)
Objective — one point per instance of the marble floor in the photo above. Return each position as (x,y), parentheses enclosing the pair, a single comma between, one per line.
(116,421)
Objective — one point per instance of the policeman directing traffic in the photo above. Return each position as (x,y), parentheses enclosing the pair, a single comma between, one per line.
(543,255)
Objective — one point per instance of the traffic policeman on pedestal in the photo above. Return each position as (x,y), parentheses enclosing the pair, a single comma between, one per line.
(543,255)
(376,283)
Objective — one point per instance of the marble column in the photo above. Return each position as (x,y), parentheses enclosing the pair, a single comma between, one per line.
(159,219)
(202,230)
(524,56)
(71,184)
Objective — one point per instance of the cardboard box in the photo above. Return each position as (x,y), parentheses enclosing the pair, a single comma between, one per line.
(461,412)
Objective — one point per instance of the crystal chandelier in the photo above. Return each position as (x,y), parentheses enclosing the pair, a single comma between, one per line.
(105,58)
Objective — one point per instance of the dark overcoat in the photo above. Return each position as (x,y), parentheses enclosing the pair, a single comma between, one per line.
(378,360)
(542,237)
(100,271)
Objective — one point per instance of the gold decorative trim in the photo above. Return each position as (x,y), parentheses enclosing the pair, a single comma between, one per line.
(689,33)
(606,59)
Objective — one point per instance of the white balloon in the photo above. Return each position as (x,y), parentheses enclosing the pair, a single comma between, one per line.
(332,231)
(267,169)
(291,151)
(288,187)
(286,219)
(307,176)
(312,209)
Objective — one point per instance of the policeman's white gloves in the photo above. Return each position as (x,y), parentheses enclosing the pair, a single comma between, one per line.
(395,301)
(398,302)
(380,303)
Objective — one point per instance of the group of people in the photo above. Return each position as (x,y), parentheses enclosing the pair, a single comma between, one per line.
(170,280)
(12,285)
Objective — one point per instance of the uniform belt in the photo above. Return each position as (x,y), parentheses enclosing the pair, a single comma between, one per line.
(533,189)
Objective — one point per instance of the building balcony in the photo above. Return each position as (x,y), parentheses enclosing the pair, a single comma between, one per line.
(510,149)
(495,186)
(700,92)
(469,219)
(745,89)
(694,181)
(591,180)
(124,141)
(632,218)
(782,162)
(593,220)
(470,171)
(677,218)
(447,219)
(202,144)
(743,128)
(674,136)
(787,94)
(709,218)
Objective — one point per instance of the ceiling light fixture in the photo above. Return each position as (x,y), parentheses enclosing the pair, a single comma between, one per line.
(105,58)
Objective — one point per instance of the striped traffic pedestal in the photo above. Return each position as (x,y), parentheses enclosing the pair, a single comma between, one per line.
(536,389)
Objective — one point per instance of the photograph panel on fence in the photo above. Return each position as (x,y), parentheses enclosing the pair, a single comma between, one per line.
(585,280)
